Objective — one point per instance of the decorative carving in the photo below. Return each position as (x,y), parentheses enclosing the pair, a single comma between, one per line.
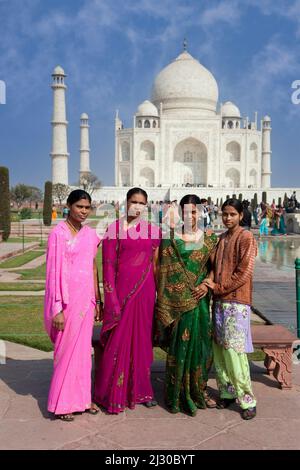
(279,364)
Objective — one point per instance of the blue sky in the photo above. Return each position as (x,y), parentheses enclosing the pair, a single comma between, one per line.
(112,50)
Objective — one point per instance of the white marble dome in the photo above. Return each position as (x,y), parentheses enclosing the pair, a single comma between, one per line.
(147,109)
(59,71)
(229,109)
(84,116)
(186,86)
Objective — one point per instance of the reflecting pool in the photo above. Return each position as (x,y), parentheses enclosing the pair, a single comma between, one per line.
(281,253)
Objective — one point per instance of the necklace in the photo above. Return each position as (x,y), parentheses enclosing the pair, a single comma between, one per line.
(73,227)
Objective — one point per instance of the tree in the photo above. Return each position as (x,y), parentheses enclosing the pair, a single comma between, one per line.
(221,202)
(264,197)
(47,210)
(60,191)
(285,200)
(36,195)
(240,197)
(279,201)
(255,200)
(20,194)
(89,182)
(4,203)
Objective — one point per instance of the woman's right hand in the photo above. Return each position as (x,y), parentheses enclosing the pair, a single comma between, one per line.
(59,321)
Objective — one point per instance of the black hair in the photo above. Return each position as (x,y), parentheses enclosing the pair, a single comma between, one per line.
(133,191)
(78,194)
(236,203)
(189,199)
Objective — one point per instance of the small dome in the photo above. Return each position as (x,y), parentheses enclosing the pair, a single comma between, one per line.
(84,116)
(185,85)
(59,71)
(147,109)
(230,110)
(267,118)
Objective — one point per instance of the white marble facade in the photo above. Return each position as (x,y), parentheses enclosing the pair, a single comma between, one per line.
(184,137)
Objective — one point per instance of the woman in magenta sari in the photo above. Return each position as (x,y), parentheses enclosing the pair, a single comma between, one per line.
(72,302)
(130,253)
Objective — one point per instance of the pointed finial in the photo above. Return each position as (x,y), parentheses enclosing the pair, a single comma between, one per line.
(184,44)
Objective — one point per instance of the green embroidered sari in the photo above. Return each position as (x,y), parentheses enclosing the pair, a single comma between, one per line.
(182,324)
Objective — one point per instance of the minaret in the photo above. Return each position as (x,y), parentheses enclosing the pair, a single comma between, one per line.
(59,123)
(118,127)
(266,153)
(84,145)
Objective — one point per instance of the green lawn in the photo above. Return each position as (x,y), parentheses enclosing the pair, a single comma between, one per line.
(99,263)
(38,273)
(20,260)
(21,321)
(18,286)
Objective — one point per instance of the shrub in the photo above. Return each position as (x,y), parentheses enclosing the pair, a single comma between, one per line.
(4,203)
(47,210)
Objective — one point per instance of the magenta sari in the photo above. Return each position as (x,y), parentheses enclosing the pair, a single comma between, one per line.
(123,374)
(70,287)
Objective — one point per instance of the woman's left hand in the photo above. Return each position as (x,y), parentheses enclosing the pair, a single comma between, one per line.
(200,291)
(98,312)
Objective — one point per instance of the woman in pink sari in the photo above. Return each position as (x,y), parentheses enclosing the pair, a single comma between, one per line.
(72,302)
(130,253)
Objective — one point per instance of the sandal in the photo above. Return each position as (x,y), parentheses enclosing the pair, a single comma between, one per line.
(210,402)
(151,403)
(68,417)
(250,413)
(93,410)
(225,403)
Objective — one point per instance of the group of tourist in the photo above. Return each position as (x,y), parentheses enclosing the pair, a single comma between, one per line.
(271,217)
(157,291)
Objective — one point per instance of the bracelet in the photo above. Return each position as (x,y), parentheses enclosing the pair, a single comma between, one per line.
(99,302)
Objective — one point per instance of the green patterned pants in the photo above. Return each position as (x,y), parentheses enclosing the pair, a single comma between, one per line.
(233,376)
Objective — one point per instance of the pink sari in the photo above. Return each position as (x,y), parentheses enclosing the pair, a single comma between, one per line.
(70,287)
(123,374)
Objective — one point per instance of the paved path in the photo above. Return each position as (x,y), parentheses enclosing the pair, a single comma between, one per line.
(25,423)
(11,249)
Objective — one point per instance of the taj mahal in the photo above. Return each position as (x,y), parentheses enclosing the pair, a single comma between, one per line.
(181,138)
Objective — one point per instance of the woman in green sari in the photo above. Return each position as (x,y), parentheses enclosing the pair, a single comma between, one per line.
(183,327)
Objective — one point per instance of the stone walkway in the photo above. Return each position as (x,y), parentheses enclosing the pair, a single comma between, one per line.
(25,423)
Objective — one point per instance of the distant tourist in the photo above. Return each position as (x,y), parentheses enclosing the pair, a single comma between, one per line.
(279,224)
(182,325)
(205,219)
(54,213)
(255,214)
(232,295)
(65,212)
(130,253)
(247,216)
(72,302)
(263,220)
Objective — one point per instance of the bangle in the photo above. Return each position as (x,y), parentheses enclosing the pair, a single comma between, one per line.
(98,302)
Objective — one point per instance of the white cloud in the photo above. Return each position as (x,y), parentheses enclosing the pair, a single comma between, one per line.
(223,12)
